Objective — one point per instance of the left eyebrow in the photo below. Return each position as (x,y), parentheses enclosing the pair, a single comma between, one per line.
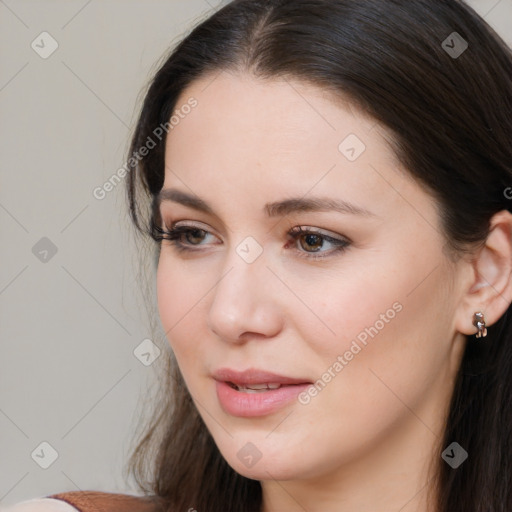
(314,204)
(275,209)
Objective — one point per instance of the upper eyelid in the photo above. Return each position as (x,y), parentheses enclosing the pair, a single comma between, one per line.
(158,206)
(159,216)
(328,234)
(295,230)
(340,242)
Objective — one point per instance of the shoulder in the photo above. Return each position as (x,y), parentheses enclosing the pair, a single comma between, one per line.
(88,501)
(40,505)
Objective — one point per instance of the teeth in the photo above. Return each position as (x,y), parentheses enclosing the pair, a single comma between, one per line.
(257,388)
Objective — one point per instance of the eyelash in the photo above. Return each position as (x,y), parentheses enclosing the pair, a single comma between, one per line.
(174,235)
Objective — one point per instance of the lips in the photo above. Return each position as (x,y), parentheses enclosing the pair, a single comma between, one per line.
(255,379)
(255,392)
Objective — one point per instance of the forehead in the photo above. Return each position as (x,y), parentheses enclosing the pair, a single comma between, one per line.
(249,137)
(274,107)
(276,119)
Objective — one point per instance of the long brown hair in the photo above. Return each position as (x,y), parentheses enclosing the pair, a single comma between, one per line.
(440,80)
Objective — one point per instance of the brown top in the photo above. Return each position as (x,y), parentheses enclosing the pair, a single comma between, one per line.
(97,501)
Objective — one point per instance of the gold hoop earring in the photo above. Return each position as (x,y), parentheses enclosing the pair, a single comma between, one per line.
(479,323)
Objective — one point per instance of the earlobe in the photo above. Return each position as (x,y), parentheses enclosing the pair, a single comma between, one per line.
(490,289)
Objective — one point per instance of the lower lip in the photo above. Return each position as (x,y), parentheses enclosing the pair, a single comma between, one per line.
(238,403)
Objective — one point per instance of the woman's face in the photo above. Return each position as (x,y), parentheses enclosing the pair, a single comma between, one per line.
(353,317)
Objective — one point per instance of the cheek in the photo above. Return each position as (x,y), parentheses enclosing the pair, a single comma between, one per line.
(380,316)
(168,287)
(392,339)
(390,348)
(348,306)
(179,304)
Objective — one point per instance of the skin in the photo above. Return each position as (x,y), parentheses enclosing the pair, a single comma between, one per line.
(364,443)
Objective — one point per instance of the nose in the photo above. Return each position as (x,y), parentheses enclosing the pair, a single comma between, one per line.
(244,304)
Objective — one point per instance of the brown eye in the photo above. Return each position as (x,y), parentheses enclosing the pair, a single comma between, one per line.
(314,241)
(183,238)
(194,235)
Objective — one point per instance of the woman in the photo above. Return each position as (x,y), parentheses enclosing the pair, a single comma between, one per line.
(328,183)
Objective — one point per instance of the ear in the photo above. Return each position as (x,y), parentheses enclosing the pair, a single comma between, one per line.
(489,288)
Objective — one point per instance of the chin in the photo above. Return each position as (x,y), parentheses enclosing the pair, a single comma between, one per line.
(266,470)
(261,460)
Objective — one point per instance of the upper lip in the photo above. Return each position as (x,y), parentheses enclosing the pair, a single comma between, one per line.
(254,376)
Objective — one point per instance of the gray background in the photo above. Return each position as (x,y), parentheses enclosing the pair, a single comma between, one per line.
(69,324)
